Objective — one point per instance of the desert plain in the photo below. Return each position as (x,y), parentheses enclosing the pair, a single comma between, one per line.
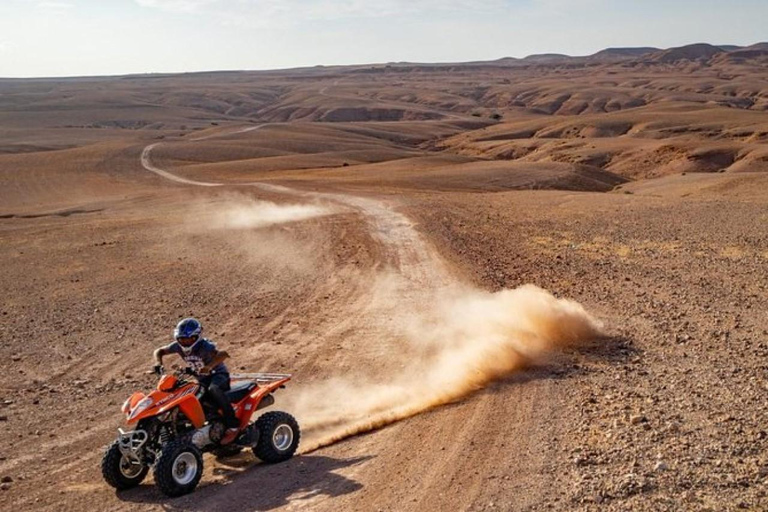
(347,224)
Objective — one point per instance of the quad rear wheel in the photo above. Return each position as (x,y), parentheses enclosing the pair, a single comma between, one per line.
(179,468)
(119,471)
(278,437)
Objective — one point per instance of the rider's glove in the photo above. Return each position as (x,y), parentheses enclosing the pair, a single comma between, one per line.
(189,371)
(158,369)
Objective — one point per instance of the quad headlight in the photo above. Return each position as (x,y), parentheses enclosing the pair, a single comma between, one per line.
(140,407)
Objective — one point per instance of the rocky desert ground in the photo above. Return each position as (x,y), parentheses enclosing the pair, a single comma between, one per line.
(386,233)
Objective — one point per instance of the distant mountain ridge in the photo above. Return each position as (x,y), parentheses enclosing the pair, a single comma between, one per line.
(546,57)
(700,53)
(692,52)
(729,47)
(697,52)
(624,52)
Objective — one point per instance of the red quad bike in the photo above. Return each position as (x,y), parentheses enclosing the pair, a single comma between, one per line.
(174,425)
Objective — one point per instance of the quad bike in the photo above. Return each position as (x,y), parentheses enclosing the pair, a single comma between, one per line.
(174,424)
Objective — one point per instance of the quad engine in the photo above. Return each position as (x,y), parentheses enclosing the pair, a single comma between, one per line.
(209,434)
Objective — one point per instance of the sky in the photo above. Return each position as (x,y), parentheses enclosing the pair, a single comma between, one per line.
(109,37)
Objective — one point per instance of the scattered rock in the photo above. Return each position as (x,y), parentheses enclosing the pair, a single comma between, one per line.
(581,460)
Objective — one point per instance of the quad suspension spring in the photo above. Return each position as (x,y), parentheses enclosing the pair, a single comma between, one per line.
(165,435)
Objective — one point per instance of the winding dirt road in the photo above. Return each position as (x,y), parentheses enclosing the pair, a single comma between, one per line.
(418,351)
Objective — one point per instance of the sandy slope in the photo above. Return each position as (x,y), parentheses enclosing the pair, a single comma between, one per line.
(347,305)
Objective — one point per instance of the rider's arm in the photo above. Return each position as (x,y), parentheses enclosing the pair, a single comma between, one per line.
(159,354)
(219,357)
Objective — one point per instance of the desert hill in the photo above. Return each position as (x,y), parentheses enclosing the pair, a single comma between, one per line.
(620,53)
(693,52)
(543,58)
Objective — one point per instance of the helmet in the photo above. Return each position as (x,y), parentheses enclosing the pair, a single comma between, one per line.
(188,328)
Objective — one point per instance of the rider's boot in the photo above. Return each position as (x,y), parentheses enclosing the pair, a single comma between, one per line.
(229,436)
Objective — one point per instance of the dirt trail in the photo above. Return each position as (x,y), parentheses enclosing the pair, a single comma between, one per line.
(148,165)
(437,338)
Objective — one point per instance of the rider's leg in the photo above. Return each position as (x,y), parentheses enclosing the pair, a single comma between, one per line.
(216,390)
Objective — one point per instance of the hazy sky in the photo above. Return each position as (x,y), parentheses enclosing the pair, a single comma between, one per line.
(97,37)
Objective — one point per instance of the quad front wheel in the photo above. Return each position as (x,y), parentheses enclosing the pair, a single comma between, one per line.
(278,437)
(119,471)
(179,468)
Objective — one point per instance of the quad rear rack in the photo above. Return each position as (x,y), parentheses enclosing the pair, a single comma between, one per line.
(260,377)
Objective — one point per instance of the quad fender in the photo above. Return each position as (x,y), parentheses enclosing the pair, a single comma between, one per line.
(192,409)
(245,409)
(160,402)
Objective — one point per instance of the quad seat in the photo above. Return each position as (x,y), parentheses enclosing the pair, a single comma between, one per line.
(239,390)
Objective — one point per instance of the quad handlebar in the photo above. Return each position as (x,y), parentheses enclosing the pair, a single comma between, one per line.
(159,370)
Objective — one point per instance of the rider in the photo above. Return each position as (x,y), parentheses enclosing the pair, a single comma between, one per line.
(201,355)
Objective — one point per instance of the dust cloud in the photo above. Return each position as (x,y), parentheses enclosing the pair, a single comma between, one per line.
(250,214)
(266,235)
(464,340)
(431,340)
